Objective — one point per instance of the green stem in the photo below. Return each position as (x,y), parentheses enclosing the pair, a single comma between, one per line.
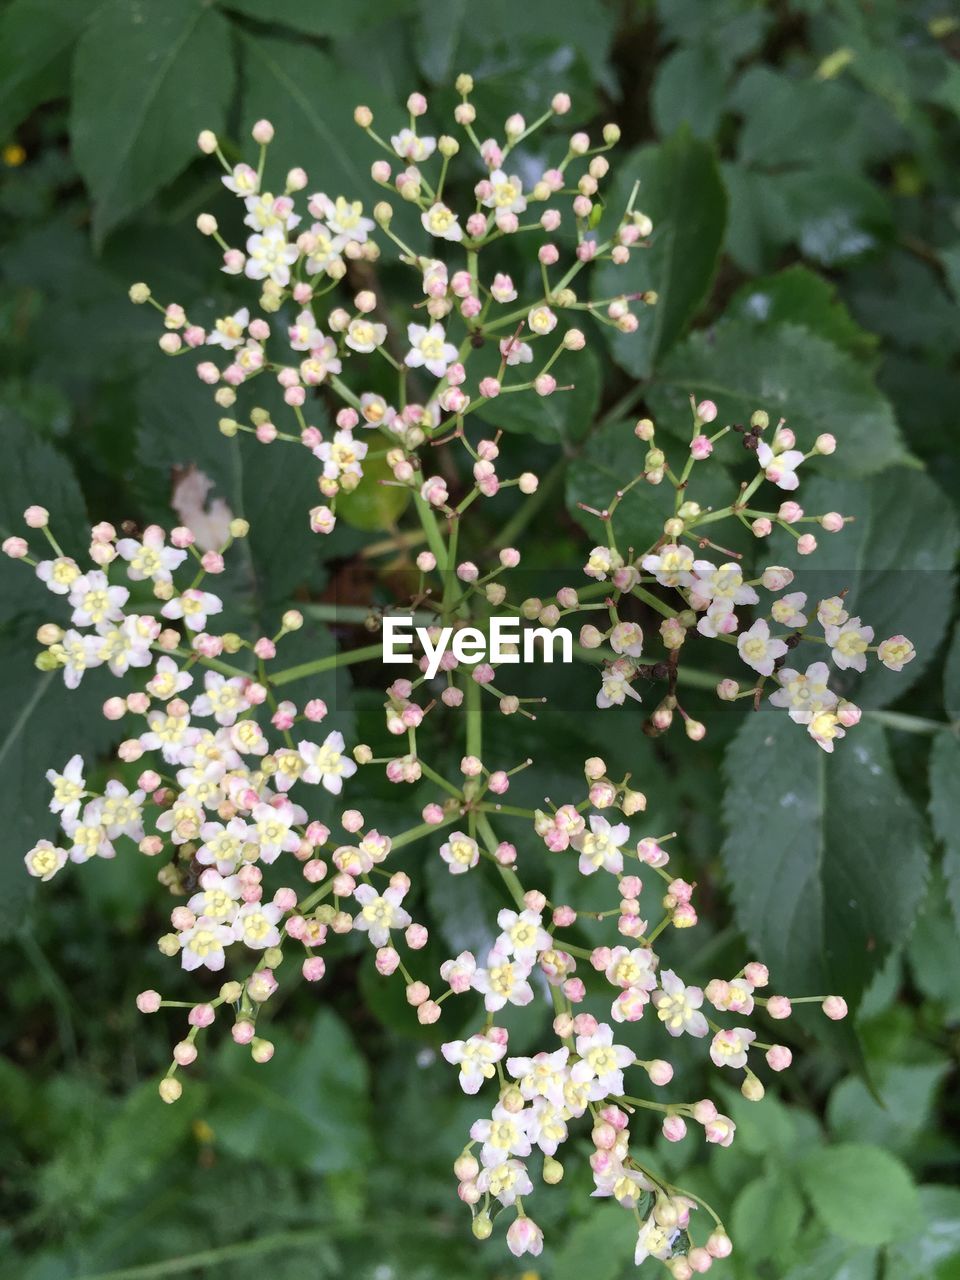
(326,664)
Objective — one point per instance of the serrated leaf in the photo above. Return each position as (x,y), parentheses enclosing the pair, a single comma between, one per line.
(861,1193)
(790,372)
(599,1247)
(36,40)
(688,90)
(681,191)
(945,809)
(825,855)
(564,416)
(798,295)
(146,78)
(310,101)
(612,457)
(897,570)
(766,1217)
(305,1109)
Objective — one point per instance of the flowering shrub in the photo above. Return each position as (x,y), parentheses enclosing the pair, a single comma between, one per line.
(227,768)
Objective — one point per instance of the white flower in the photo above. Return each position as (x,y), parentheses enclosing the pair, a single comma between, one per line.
(272,828)
(602,1060)
(379,913)
(542,1076)
(409,146)
(849,643)
(167,679)
(542,320)
(460,853)
(831,613)
(513,351)
(95,601)
(264,211)
(121,811)
(601,846)
(506,195)
(523,935)
(256,925)
(342,455)
(58,575)
(171,735)
(476,1058)
(825,729)
(78,653)
(323,249)
(194,607)
(505,1133)
(632,967)
(758,650)
(504,1179)
(323,360)
(218,898)
(896,652)
(204,944)
(442,222)
(44,860)
(678,1007)
(503,289)
(429,349)
(804,695)
(729,1047)
(615,687)
(779,468)
(67,789)
(242,181)
(654,1241)
(222,845)
(150,558)
(127,645)
(504,981)
(364,335)
(627,637)
(304,334)
(546,1126)
(228,332)
(672,566)
(222,698)
(788,610)
(344,218)
(269,257)
(327,764)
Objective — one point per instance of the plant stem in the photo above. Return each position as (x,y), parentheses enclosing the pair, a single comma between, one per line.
(326,664)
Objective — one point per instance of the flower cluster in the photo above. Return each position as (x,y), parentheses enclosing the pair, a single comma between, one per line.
(226,794)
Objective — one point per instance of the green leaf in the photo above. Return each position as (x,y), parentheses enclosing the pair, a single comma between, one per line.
(689,90)
(825,854)
(897,570)
(373,506)
(35,472)
(945,809)
(790,372)
(143,1133)
(681,191)
(838,1261)
(933,1251)
(611,458)
(146,78)
(766,1217)
(318,19)
(310,100)
(898,1111)
(564,416)
(599,1247)
(45,724)
(36,40)
(798,295)
(305,1109)
(861,1193)
(951,677)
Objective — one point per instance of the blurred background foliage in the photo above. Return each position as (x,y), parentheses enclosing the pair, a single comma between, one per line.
(799,161)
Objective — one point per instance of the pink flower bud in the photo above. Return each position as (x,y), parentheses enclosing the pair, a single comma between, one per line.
(148,1001)
(778,1057)
(674,1128)
(387,960)
(659,1071)
(243,1031)
(835,1007)
(779,1007)
(313,968)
